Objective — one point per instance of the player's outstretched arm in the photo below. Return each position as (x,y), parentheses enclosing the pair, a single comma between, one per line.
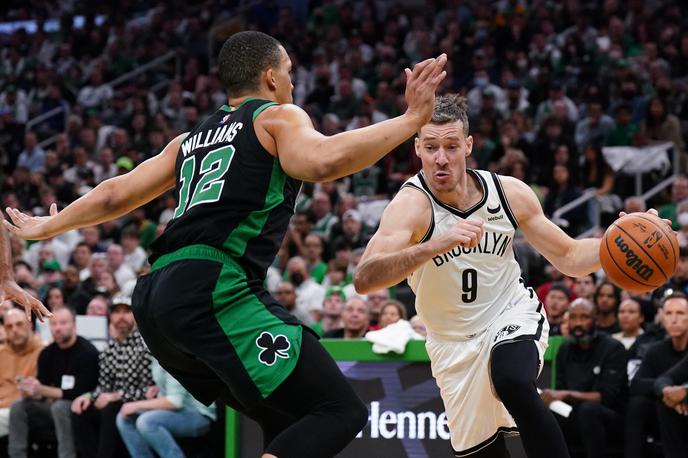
(571,257)
(308,155)
(110,199)
(394,252)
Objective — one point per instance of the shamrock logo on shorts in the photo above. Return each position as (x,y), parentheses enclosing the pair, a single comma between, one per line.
(272,348)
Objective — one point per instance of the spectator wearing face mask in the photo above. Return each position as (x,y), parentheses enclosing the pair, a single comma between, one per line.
(309,294)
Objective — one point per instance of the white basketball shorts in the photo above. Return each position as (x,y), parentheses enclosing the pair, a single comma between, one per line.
(462,369)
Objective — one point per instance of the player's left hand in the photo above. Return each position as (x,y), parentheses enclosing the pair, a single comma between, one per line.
(681,408)
(29,227)
(651,211)
(548,396)
(9,289)
(128,408)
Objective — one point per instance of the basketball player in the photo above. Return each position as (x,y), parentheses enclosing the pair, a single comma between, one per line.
(203,310)
(450,230)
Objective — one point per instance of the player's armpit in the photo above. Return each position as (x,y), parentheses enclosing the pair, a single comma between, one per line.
(394,253)
(571,257)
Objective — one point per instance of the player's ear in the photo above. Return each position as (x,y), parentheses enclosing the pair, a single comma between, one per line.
(469,145)
(270,79)
(416,144)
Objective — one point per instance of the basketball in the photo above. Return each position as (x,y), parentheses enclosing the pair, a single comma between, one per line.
(639,252)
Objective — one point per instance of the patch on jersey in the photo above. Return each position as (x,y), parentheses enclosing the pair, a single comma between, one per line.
(226,118)
(273,347)
(506,330)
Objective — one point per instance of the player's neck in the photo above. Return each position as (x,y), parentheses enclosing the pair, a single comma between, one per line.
(262,95)
(466,193)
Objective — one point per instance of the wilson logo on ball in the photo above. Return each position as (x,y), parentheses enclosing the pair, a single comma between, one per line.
(632,260)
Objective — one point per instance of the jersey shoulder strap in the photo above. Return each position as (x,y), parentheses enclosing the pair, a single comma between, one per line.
(414,182)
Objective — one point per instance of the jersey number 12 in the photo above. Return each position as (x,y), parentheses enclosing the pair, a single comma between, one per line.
(209,188)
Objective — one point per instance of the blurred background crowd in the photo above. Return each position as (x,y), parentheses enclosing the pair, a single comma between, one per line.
(88,91)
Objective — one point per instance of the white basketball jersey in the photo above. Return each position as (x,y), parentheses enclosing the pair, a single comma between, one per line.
(461,292)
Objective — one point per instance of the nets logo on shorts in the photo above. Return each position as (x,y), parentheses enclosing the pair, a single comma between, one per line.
(273,347)
(506,330)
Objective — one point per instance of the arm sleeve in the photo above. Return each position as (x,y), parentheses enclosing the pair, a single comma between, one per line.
(85,374)
(675,376)
(105,374)
(44,369)
(174,391)
(613,378)
(643,382)
(136,390)
(561,383)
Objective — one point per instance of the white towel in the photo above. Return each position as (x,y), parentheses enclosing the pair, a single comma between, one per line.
(392,338)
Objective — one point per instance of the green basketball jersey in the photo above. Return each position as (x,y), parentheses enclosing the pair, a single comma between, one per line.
(233,195)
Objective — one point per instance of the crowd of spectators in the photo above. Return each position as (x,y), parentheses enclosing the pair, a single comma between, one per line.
(549,85)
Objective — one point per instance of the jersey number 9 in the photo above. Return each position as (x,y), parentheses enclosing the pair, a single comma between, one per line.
(469,285)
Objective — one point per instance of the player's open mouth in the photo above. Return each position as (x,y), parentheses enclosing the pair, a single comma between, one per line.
(441,175)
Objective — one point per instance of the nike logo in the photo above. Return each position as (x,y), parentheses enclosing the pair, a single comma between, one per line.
(494,210)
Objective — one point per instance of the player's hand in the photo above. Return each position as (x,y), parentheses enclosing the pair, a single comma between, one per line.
(672,395)
(29,386)
(80,404)
(9,289)
(152,391)
(104,399)
(29,227)
(465,233)
(651,211)
(421,84)
(681,408)
(548,396)
(128,408)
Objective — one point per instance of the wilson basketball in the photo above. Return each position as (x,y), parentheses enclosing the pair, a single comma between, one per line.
(639,252)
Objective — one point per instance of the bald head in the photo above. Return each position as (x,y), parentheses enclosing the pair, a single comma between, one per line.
(583,304)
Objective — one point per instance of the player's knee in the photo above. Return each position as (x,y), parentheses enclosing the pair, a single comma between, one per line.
(588,411)
(511,386)
(355,416)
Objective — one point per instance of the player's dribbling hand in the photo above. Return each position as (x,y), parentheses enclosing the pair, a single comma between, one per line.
(28,227)
(651,211)
(421,83)
(466,233)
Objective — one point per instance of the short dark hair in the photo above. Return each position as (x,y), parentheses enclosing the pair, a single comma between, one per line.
(243,57)
(68,308)
(451,108)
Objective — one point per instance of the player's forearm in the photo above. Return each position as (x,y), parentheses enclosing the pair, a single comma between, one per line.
(583,396)
(155,404)
(581,259)
(93,208)
(388,269)
(349,152)
(6,271)
(49,392)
